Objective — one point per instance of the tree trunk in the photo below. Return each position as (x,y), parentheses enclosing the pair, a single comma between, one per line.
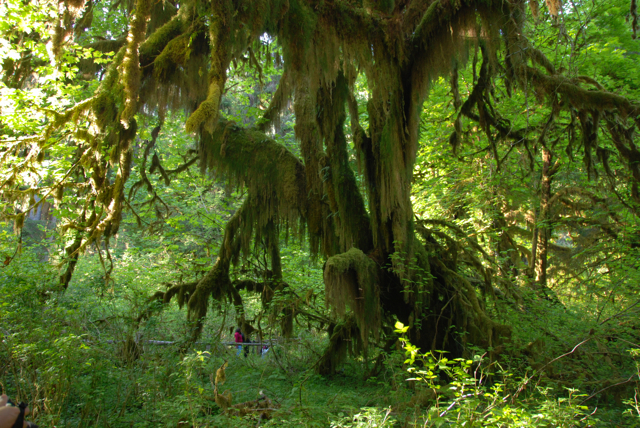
(543,224)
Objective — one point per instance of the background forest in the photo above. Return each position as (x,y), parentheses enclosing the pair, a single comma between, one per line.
(426,210)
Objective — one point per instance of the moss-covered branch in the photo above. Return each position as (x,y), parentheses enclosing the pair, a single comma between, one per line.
(130,71)
(220,32)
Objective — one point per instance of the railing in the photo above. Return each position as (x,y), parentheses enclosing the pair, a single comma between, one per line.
(168,342)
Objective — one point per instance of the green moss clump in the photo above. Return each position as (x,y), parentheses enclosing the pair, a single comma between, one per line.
(157,41)
(207,112)
(351,280)
(105,110)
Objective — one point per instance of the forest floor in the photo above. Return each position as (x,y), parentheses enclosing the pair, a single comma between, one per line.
(70,356)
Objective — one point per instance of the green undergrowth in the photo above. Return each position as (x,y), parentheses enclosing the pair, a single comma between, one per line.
(73,357)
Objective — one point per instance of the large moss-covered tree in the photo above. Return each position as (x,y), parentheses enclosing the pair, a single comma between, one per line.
(381,265)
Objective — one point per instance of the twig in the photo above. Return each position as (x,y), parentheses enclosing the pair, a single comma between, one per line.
(539,371)
(435,334)
(564,355)
(135,213)
(620,313)
(610,386)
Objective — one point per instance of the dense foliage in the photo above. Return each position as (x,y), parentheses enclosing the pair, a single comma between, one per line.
(448,187)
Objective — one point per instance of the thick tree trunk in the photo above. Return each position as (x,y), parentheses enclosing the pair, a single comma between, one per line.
(353,226)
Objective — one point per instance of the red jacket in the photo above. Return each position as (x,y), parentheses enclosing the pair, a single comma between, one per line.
(238,337)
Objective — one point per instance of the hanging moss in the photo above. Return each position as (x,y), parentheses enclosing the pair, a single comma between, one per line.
(341,338)
(340,182)
(351,280)
(554,7)
(297,31)
(161,13)
(320,218)
(182,291)
(18,223)
(274,177)
(175,54)
(216,281)
(68,12)
(276,194)
(278,103)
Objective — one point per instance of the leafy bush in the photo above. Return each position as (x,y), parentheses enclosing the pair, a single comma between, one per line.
(481,393)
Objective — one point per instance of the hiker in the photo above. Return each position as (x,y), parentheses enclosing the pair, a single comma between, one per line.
(12,416)
(239,338)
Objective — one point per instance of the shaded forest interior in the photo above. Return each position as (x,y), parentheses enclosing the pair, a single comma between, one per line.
(426,211)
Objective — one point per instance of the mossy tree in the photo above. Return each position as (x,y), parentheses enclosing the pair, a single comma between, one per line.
(380,264)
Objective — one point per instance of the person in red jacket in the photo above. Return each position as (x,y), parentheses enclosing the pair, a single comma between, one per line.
(238,339)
